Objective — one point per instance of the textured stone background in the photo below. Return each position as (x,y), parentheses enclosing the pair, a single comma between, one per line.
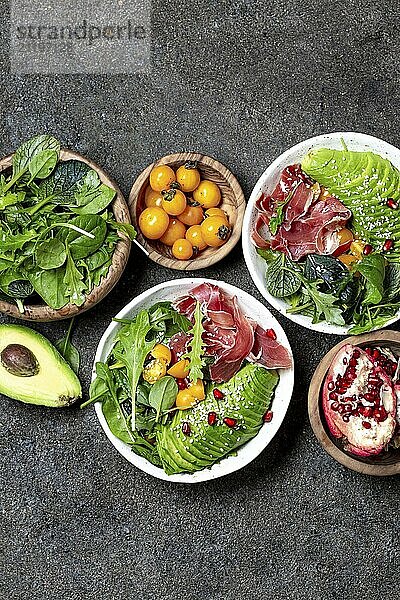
(241,80)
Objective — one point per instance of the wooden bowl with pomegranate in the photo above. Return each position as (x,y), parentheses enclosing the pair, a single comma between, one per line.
(232,203)
(387,462)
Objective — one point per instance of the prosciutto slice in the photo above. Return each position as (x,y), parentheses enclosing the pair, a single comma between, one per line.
(310,220)
(230,337)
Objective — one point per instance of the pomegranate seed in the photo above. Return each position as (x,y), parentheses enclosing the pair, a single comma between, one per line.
(380,414)
(181,384)
(345,360)
(333,396)
(346,418)
(268,416)
(186,428)
(335,406)
(271,334)
(212,418)
(369,397)
(331,386)
(366,425)
(388,245)
(355,413)
(356,353)
(368,350)
(366,411)
(367,249)
(230,422)
(376,353)
(218,394)
(353,362)
(392,203)
(348,407)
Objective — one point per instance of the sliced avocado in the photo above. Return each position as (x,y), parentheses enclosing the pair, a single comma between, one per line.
(362,181)
(246,398)
(33,371)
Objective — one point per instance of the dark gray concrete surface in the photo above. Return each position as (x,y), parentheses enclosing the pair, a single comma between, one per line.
(241,80)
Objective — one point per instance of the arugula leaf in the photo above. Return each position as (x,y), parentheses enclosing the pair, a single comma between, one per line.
(68,350)
(16,241)
(196,345)
(372,268)
(10,199)
(73,280)
(280,281)
(132,351)
(324,305)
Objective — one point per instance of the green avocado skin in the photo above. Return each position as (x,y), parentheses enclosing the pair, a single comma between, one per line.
(247,396)
(363,181)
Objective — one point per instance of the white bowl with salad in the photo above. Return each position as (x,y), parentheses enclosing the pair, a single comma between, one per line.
(212,374)
(321,233)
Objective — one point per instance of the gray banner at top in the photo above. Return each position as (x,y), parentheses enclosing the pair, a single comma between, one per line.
(96,36)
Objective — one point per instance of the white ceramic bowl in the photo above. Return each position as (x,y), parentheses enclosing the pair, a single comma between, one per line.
(170,291)
(267,182)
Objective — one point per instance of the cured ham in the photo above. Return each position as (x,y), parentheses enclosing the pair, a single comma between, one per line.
(309,222)
(230,337)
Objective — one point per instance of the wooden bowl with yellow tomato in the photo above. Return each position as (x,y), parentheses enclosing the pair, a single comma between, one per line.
(188,211)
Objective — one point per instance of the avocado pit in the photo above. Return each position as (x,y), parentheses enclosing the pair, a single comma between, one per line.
(19,361)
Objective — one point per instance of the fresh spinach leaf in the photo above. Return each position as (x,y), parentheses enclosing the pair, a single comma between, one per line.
(126,228)
(372,268)
(73,281)
(50,286)
(80,245)
(32,148)
(163,394)
(50,254)
(42,164)
(391,284)
(92,196)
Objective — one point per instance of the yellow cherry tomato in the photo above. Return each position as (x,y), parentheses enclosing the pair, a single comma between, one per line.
(192,215)
(357,248)
(161,177)
(207,194)
(153,222)
(348,259)
(195,237)
(175,231)
(215,231)
(216,212)
(197,389)
(182,249)
(152,198)
(180,369)
(184,400)
(162,352)
(154,370)
(188,177)
(174,202)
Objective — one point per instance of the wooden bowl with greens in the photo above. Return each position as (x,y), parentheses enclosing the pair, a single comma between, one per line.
(65,232)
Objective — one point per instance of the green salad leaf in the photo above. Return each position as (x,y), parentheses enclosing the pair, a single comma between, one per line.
(196,345)
(280,281)
(372,268)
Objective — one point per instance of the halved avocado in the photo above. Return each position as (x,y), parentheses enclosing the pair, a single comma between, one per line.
(33,371)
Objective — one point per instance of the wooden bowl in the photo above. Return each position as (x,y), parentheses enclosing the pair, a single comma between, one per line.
(388,463)
(233,203)
(42,312)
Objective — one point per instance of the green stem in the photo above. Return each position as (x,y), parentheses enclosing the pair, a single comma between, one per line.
(34,209)
(67,337)
(15,179)
(91,400)
(297,309)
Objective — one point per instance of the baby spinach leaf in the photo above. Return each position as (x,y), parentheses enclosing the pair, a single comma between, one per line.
(391,284)
(80,245)
(16,241)
(163,394)
(51,254)
(50,286)
(42,164)
(92,196)
(329,269)
(281,282)
(372,268)
(30,149)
